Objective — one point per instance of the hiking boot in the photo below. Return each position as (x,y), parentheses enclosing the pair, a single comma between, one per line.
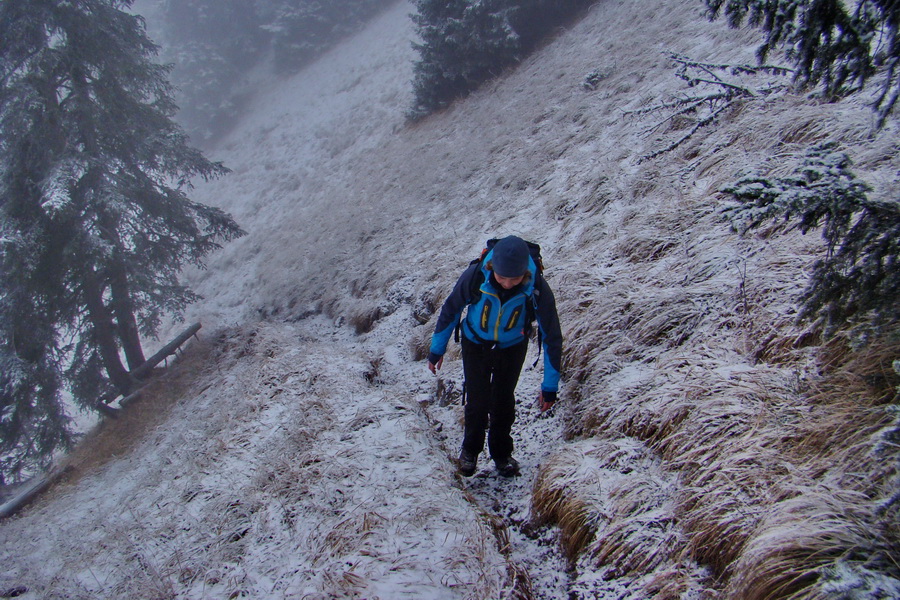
(507,467)
(467,463)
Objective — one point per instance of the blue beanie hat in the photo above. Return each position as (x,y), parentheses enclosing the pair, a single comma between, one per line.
(510,257)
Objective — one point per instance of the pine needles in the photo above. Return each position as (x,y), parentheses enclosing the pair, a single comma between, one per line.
(860,275)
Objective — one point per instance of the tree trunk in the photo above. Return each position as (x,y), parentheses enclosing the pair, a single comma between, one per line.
(123,308)
(104,332)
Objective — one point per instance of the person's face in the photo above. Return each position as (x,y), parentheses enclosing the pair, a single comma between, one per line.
(508,283)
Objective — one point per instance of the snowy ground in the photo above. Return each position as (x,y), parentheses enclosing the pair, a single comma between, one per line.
(299,460)
(300,449)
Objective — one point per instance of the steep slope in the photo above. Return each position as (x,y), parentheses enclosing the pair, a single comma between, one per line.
(705,446)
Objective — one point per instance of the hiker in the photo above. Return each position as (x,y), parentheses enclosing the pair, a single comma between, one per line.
(504,292)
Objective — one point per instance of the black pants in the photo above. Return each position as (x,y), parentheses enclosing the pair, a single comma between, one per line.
(491,377)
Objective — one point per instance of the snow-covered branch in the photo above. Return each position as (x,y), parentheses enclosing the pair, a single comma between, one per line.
(715,94)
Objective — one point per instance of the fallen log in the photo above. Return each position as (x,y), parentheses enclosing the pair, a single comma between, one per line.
(105,410)
(31,492)
(40,484)
(143,371)
(131,397)
(166,351)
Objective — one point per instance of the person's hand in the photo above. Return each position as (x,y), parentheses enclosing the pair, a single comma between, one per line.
(434,367)
(546,400)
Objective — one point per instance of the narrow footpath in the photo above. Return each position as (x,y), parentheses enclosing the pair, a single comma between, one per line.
(537,570)
(292,460)
(533,551)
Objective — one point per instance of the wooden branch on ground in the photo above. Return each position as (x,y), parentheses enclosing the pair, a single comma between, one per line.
(131,397)
(166,351)
(105,409)
(37,487)
(143,371)
(31,492)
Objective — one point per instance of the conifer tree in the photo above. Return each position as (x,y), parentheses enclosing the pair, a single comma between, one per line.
(836,43)
(858,280)
(464,43)
(95,221)
(211,43)
(302,29)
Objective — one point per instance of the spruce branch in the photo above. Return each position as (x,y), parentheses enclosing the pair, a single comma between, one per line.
(858,279)
(834,45)
(697,126)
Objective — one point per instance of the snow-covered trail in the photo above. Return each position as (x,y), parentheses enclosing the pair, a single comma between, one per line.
(532,549)
(298,462)
(535,567)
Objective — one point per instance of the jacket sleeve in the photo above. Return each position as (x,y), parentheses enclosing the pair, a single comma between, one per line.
(551,334)
(450,314)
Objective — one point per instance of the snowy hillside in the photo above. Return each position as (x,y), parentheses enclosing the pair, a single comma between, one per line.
(704,446)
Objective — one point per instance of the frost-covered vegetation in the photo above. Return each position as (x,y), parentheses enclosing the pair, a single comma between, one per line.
(835,44)
(859,276)
(707,444)
(94,216)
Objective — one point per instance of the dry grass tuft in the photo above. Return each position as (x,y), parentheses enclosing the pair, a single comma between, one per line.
(676,582)
(846,409)
(797,538)
(724,504)
(364,318)
(652,234)
(777,482)
(575,518)
(420,343)
(519,583)
(611,502)
(668,318)
(643,410)
(866,374)
(555,500)
(714,376)
(473,552)
(641,534)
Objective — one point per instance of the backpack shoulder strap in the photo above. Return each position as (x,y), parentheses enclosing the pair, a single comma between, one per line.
(474,290)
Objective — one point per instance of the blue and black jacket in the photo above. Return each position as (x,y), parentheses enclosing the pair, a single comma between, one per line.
(501,317)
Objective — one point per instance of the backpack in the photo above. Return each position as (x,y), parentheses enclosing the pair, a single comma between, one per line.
(531,307)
